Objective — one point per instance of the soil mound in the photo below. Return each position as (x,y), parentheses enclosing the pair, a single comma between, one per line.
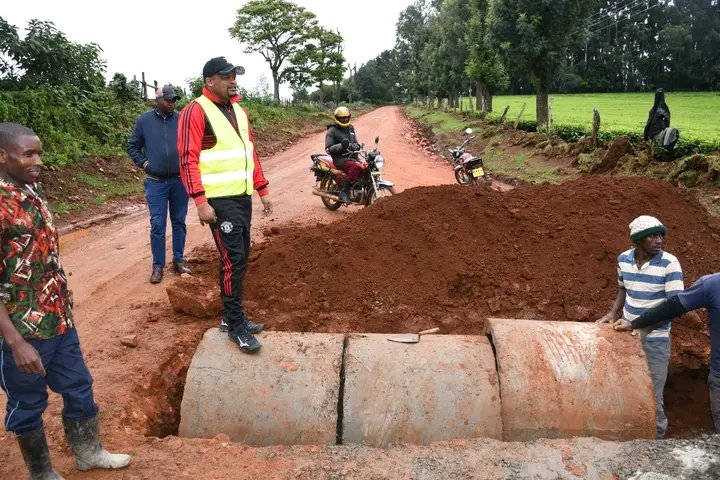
(451,256)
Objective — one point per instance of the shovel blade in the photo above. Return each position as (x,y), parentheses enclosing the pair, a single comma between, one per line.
(405,338)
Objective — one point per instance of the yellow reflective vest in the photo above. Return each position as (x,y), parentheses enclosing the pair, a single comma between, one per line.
(227,168)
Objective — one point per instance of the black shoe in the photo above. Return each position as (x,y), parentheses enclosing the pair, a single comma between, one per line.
(251,326)
(181,267)
(224,327)
(245,341)
(157,275)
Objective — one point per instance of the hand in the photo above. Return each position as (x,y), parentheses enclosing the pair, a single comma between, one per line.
(608,318)
(345,143)
(27,359)
(267,205)
(622,325)
(206,214)
(354,147)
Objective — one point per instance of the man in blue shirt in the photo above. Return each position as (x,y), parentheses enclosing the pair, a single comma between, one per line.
(705,293)
(153,147)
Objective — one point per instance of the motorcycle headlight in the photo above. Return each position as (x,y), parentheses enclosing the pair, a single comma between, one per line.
(379,162)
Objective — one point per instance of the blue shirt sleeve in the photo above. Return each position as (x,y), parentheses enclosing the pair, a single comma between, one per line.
(694,297)
(136,144)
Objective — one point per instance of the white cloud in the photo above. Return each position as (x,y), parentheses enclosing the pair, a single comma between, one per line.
(172,44)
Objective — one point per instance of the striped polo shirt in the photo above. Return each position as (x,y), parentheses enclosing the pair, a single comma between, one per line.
(656,280)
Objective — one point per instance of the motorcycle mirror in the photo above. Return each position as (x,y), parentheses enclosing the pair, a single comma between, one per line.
(468,130)
(377,140)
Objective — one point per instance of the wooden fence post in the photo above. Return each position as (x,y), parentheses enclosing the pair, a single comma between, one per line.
(144,86)
(502,118)
(595,127)
(549,119)
(517,120)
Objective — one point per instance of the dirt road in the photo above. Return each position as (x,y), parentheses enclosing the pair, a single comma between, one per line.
(139,388)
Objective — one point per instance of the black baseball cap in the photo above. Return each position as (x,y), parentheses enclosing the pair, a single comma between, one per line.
(166,92)
(220,65)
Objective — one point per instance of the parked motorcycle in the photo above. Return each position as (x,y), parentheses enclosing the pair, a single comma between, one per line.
(469,169)
(366,191)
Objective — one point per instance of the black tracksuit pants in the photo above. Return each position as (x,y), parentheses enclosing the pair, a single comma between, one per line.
(232,238)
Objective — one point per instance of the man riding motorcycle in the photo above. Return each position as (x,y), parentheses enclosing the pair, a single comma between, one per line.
(340,140)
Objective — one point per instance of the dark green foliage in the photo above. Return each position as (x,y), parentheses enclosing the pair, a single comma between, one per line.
(72,124)
(56,87)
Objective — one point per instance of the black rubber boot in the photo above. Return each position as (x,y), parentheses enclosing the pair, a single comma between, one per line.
(84,441)
(344,191)
(36,454)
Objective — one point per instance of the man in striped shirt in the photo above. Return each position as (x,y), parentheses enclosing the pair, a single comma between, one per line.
(647,275)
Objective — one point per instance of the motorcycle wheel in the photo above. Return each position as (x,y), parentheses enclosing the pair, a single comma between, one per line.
(329,185)
(462,177)
(382,193)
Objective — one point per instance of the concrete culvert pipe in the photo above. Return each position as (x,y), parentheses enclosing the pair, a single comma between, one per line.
(441,388)
(285,394)
(564,379)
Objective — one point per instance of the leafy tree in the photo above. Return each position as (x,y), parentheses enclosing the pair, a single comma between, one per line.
(124,91)
(412,33)
(379,80)
(484,64)
(9,40)
(446,51)
(321,59)
(276,29)
(534,36)
(47,58)
(195,84)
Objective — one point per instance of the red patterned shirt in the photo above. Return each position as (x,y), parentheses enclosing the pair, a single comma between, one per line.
(33,286)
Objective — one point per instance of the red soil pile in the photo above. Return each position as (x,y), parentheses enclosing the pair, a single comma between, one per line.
(452,256)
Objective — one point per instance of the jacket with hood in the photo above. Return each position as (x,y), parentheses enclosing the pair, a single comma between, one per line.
(659,117)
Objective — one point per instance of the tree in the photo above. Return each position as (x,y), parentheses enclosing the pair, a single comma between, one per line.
(262,89)
(378,79)
(320,60)
(484,65)
(446,51)
(46,58)
(195,85)
(276,29)
(412,33)
(124,91)
(534,37)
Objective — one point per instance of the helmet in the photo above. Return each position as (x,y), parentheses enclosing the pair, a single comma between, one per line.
(342,116)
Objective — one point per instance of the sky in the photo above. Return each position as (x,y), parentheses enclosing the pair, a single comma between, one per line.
(171,42)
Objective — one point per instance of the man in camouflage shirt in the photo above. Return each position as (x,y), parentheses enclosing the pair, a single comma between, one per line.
(39,346)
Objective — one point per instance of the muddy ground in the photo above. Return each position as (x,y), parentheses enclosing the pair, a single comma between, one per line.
(446,256)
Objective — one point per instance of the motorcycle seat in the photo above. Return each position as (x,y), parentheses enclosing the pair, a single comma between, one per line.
(322,158)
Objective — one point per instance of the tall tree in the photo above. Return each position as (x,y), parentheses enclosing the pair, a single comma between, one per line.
(45,57)
(484,65)
(321,59)
(412,34)
(534,36)
(276,29)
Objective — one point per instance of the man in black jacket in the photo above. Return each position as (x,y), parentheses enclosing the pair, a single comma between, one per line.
(153,147)
(340,142)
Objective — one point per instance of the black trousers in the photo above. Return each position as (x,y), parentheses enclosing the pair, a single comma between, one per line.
(232,238)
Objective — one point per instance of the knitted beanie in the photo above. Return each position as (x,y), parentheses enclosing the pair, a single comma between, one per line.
(644,226)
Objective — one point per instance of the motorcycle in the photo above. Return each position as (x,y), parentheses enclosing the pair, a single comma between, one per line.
(469,169)
(367,190)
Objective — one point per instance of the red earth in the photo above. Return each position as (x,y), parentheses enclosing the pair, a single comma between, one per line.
(443,256)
